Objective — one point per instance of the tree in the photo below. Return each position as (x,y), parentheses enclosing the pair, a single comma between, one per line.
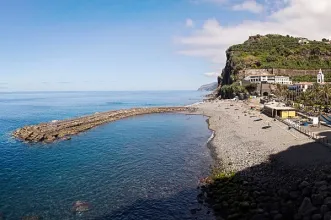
(282,91)
(326,92)
(251,87)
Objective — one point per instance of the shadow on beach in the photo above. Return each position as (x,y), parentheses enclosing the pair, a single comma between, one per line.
(293,184)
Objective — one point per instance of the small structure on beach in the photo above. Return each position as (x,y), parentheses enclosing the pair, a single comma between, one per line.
(276,109)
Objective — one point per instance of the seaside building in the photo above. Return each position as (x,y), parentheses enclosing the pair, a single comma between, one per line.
(275,109)
(304,86)
(272,79)
(301,87)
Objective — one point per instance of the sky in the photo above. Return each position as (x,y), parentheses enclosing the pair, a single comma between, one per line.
(111,45)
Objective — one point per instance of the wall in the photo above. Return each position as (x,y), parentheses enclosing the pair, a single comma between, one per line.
(279,72)
(287,114)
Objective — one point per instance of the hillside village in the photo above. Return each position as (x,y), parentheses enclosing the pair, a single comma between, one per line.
(298,96)
(271,114)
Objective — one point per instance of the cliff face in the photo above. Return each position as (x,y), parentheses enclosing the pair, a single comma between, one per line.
(279,55)
(209,87)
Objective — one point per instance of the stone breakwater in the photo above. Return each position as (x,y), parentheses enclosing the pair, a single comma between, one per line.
(63,130)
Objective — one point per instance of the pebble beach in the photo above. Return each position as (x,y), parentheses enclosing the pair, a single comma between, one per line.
(245,137)
(276,173)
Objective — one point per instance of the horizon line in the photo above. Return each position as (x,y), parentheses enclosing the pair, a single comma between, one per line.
(38,91)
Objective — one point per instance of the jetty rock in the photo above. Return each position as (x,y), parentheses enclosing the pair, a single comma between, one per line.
(64,129)
(80,206)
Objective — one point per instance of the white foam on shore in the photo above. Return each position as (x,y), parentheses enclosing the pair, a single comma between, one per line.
(211,137)
(194,104)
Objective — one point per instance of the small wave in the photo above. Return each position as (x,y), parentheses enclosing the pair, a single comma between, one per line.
(134,104)
(117,103)
(150,104)
(194,104)
(18,100)
(211,137)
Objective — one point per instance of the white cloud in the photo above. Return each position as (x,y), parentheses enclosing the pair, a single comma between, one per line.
(250,5)
(294,17)
(212,74)
(189,23)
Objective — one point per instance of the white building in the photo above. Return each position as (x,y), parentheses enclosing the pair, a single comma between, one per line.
(269,79)
(303,41)
(320,77)
(301,87)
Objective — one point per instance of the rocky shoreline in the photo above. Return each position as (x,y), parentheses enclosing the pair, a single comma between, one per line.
(266,171)
(65,129)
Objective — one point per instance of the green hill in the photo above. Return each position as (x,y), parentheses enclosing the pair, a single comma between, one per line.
(276,51)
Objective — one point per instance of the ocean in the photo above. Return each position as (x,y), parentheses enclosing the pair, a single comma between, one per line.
(144,167)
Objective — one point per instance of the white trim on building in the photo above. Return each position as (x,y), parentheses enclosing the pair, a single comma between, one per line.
(269,79)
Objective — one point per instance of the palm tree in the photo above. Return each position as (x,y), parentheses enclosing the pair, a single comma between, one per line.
(326,93)
(281,91)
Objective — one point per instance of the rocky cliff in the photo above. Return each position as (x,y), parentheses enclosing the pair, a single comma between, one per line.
(208,87)
(279,55)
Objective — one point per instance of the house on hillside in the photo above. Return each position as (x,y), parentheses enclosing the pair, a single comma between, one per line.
(303,41)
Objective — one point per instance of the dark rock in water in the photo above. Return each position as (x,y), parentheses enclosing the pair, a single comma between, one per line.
(80,206)
(65,138)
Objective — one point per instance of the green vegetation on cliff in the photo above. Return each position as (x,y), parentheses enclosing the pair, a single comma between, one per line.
(309,78)
(284,52)
(277,52)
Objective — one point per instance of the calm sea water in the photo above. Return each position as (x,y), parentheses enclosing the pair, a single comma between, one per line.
(145,167)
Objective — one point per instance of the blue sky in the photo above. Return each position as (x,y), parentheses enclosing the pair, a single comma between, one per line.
(117,44)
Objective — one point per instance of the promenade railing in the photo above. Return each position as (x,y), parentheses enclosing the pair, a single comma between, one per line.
(303,130)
